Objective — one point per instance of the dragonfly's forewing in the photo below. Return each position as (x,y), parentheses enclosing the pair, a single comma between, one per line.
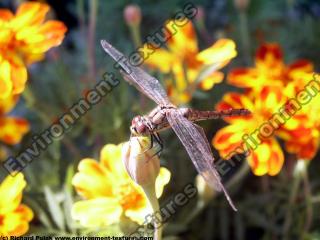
(198,148)
(145,83)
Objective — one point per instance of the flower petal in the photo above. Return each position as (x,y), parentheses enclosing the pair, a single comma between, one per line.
(162,180)
(11,193)
(182,41)
(221,52)
(92,180)
(211,80)
(29,13)
(13,129)
(97,212)
(267,158)
(7,104)
(6,84)
(110,158)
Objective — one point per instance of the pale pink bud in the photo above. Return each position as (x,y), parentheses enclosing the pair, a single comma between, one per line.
(132,15)
(241,5)
(205,192)
(200,14)
(141,163)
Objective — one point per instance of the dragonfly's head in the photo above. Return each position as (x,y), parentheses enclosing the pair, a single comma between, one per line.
(138,126)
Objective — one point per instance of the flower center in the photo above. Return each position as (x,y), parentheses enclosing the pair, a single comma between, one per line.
(129,196)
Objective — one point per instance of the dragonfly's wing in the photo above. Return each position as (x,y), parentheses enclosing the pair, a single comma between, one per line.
(198,148)
(145,83)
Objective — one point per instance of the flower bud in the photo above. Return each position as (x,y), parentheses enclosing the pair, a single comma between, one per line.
(132,15)
(200,14)
(241,5)
(141,163)
(205,192)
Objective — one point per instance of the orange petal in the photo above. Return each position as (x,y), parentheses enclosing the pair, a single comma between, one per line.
(7,104)
(228,139)
(245,78)
(53,34)
(13,129)
(18,73)
(5,14)
(219,53)
(267,158)
(305,151)
(183,40)
(269,60)
(30,13)
(6,85)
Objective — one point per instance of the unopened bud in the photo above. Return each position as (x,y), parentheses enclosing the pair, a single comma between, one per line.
(241,5)
(200,14)
(205,192)
(132,15)
(141,163)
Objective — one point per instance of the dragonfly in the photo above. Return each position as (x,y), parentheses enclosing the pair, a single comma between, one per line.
(181,120)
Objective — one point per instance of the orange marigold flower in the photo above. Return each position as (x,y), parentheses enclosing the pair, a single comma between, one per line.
(14,216)
(109,191)
(190,66)
(269,70)
(302,132)
(12,129)
(252,134)
(24,38)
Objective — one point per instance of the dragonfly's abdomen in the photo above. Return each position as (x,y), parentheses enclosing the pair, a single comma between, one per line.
(196,115)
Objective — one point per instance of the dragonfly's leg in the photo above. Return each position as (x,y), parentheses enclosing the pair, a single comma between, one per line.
(160,143)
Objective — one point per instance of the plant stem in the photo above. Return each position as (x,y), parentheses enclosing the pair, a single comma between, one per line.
(308,199)
(93,4)
(297,177)
(244,170)
(245,37)
(157,219)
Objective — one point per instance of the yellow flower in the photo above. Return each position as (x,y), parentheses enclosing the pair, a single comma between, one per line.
(109,191)
(14,216)
(12,129)
(266,156)
(24,38)
(187,64)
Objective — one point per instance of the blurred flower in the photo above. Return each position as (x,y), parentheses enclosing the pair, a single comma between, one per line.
(205,192)
(200,14)
(190,67)
(267,156)
(269,70)
(14,216)
(24,38)
(132,14)
(109,191)
(241,5)
(12,129)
